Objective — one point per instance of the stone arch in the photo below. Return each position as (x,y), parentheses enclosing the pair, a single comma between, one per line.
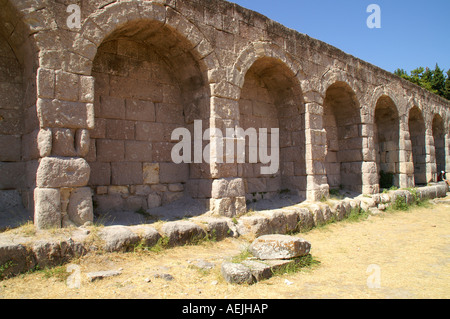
(417,129)
(271,97)
(257,50)
(149,80)
(386,140)
(18,121)
(342,123)
(100,25)
(439,142)
(332,76)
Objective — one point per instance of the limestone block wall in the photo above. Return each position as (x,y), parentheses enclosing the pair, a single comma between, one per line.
(96,105)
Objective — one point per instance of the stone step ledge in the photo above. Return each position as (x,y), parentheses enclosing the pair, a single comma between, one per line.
(20,254)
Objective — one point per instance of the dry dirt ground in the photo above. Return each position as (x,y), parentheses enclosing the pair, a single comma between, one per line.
(410,251)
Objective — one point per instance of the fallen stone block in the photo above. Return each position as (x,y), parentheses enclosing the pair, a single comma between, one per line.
(279,247)
(237,273)
(259,269)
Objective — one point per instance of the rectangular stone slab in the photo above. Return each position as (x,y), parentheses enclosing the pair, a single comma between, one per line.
(279,247)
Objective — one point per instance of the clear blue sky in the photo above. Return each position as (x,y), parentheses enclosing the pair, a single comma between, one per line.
(413,33)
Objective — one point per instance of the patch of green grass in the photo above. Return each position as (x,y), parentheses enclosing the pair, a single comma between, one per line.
(399,204)
(244,254)
(356,215)
(307,262)
(59,273)
(4,267)
(162,244)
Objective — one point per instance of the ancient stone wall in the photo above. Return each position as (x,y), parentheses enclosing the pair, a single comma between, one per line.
(110,93)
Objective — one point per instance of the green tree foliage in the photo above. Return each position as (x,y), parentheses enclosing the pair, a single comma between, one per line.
(434,81)
(447,86)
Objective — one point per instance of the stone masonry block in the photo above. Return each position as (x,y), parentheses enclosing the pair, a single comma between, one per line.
(63,143)
(47,211)
(67,86)
(10,146)
(151,173)
(100,173)
(228,187)
(126,173)
(173,173)
(110,150)
(57,113)
(46,83)
(45,142)
(56,172)
(138,151)
(80,209)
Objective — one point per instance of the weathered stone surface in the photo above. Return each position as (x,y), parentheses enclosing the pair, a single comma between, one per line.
(277,221)
(228,187)
(182,232)
(206,61)
(56,172)
(259,270)
(153,201)
(65,114)
(306,219)
(45,142)
(97,275)
(219,228)
(50,253)
(279,247)
(149,235)
(82,142)
(256,225)
(118,238)
(237,273)
(80,209)
(202,264)
(441,189)
(63,143)
(167,277)
(317,215)
(47,212)
(173,173)
(14,258)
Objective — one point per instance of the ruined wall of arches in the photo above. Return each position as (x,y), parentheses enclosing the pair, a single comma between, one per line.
(109,94)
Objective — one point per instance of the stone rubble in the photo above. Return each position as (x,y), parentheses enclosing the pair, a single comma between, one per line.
(97,275)
(20,254)
(272,252)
